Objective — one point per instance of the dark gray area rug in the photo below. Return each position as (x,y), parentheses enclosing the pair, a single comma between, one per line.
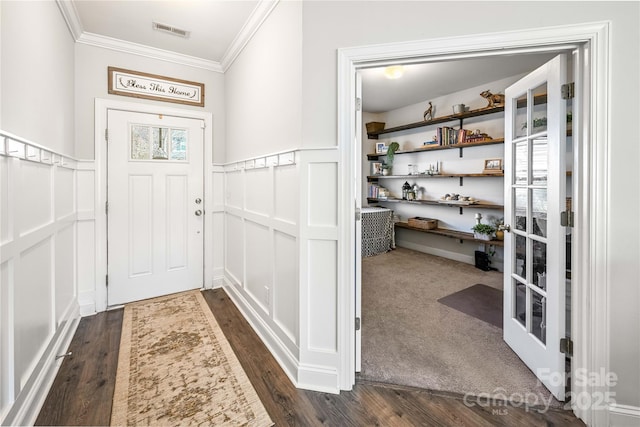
(480,301)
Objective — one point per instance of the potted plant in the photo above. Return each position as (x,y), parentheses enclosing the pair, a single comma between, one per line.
(391,151)
(498,224)
(483,231)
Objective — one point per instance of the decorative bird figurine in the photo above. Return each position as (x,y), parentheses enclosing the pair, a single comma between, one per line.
(428,112)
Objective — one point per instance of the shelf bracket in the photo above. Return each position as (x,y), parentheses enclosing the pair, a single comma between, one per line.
(461,241)
(460,151)
(461,181)
(460,210)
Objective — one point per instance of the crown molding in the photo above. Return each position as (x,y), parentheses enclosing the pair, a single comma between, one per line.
(148,52)
(262,10)
(70,15)
(255,20)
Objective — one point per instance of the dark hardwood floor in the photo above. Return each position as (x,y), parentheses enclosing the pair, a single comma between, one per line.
(83,389)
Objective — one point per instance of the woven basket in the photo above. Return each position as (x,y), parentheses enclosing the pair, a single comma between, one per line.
(374,127)
(423,223)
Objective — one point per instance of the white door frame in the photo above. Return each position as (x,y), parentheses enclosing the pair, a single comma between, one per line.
(102,106)
(590,326)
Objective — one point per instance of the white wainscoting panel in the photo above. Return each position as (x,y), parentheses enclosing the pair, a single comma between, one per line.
(64,197)
(65,263)
(285,294)
(33,308)
(86,237)
(215,235)
(321,306)
(234,254)
(265,246)
(259,191)
(318,256)
(286,194)
(281,231)
(38,288)
(233,189)
(34,206)
(321,190)
(5,183)
(259,264)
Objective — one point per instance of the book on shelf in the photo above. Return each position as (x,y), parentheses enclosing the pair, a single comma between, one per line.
(449,136)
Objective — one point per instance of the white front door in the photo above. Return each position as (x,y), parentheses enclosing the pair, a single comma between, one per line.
(535,182)
(155,205)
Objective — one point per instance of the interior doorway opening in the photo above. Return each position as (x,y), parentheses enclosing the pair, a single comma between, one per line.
(407,201)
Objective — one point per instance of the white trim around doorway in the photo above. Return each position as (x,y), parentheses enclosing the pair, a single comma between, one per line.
(590,326)
(102,106)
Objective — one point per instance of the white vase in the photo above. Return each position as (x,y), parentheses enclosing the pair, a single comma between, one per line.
(479,236)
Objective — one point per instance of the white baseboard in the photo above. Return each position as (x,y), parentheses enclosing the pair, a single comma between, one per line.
(624,416)
(218,278)
(283,356)
(438,252)
(27,405)
(318,379)
(87,303)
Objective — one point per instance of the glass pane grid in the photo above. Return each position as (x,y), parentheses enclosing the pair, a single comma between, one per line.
(153,143)
(529,205)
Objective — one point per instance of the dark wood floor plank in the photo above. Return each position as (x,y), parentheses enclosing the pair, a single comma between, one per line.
(83,390)
(284,403)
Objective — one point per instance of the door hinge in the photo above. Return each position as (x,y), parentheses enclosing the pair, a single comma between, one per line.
(358,215)
(566,219)
(568,90)
(106,280)
(106,207)
(357,323)
(358,104)
(106,135)
(566,346)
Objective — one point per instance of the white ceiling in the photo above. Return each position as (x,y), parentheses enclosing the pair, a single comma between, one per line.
(213,24)
(421,82)
(219,29)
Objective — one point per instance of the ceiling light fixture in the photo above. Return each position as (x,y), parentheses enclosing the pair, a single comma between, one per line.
(394,71)
(171,30)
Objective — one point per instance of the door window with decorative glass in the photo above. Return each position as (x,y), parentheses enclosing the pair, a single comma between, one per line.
(158,143)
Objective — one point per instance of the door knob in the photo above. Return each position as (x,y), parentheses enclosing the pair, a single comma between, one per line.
(198,212)
(506,227)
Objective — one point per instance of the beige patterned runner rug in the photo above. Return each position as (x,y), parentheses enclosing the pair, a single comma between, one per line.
(175,367)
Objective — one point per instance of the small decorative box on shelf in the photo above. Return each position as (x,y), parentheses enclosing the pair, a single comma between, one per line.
(423,223)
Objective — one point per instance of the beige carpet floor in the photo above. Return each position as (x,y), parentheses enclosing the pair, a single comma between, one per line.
(409,338)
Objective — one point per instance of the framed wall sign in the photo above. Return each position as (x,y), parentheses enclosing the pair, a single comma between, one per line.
(151,86)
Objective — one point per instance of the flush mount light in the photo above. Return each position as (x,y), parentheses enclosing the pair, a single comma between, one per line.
(394,71)
(171,30)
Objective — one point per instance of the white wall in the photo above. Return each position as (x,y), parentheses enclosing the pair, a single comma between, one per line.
(271,232)
(264,84)
(37,72)
(38,209)
(489,190)
(328,26)
(91,64)
(91,67)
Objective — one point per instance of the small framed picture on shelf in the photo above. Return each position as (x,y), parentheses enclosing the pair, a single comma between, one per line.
(376,168)
(381,148)
(492,166)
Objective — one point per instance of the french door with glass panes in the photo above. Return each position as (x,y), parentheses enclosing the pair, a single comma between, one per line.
(155,207)
(535,182)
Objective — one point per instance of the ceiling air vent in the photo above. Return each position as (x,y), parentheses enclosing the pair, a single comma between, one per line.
(171,30)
